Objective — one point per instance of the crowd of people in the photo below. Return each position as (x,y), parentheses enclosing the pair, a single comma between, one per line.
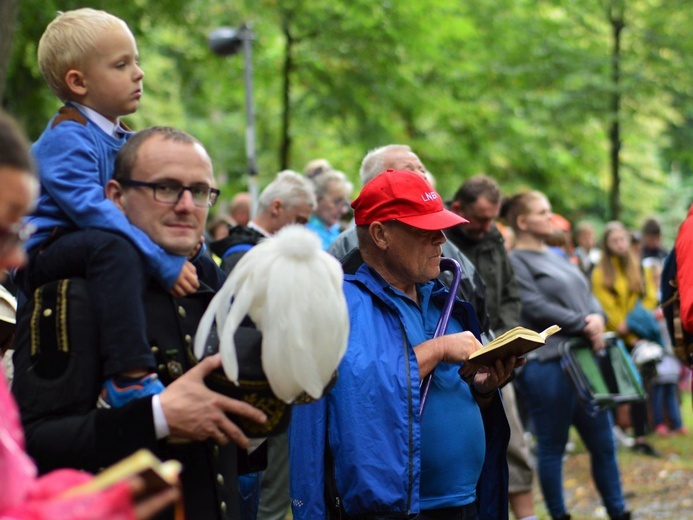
(104,232)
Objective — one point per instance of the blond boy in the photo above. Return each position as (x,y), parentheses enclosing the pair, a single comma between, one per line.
(90,61)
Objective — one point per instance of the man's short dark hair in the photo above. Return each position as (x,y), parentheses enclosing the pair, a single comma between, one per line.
(127,155)
(475,187)
(651,227)
(14,147)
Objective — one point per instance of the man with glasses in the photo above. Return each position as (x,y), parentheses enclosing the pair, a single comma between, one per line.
(81,233)
(163,184)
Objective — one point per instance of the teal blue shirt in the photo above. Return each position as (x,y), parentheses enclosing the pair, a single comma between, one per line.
(452,432)
(327,234)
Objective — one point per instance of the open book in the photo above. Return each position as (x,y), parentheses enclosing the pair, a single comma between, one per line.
(157,475)
(515,342)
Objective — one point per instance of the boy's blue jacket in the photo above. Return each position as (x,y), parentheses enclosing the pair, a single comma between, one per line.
(371,418)
(75,159)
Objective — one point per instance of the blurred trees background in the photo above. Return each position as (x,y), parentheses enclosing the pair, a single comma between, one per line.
(590,101)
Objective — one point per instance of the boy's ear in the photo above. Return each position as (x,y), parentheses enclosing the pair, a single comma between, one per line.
(74,80)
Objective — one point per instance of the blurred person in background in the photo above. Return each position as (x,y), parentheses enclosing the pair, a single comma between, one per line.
(478,200)
(554,291)
(587,252)
(628,294)
(332,191)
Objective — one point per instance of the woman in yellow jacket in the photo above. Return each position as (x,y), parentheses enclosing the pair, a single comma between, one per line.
(619,282)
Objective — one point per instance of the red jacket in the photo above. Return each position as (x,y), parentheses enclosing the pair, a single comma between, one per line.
(684,270)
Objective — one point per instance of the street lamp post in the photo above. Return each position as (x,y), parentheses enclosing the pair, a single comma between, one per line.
(226,41)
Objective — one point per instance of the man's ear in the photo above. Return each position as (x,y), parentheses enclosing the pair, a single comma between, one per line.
(378,233)
(456,207)
(275,207)
(114,193)
(74,80)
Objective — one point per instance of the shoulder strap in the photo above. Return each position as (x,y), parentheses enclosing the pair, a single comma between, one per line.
(69,113)
(238,248)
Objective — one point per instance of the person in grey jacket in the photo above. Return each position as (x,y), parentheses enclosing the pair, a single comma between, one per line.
(554,291)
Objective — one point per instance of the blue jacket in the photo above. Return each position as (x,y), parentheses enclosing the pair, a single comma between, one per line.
(75,160)
(371,418)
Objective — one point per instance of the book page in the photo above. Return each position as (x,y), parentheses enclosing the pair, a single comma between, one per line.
(549,332)
(156,474)
(516,342)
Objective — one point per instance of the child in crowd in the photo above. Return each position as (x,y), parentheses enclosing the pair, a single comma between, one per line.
(89,59)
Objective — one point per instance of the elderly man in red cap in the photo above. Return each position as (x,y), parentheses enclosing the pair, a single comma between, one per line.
(367,450)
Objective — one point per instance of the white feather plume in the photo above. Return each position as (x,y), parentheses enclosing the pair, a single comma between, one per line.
(292,290)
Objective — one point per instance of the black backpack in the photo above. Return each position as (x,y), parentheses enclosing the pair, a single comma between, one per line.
(682,340)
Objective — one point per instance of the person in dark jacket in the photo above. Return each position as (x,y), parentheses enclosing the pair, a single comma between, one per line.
(162,182)
(478,200)
(289,199)
(369,449)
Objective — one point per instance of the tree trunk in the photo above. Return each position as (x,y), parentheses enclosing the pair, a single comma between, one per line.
(616,18)
(285,149)
(9,9)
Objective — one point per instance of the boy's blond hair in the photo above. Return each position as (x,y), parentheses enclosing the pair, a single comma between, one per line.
(67,42)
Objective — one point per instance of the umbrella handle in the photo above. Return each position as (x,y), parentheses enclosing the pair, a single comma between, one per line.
(446,264)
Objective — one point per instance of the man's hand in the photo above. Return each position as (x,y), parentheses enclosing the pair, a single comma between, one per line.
(187,282)
(486,378)
(450,348)
(195,412)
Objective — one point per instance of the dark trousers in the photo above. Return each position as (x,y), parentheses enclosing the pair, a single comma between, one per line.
(116,279)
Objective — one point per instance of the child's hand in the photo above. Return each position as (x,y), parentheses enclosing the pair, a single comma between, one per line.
(187,282)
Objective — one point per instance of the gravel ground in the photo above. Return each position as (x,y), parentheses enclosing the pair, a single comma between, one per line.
(655,488)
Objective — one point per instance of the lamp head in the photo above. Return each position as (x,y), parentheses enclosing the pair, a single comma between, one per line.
(225,41)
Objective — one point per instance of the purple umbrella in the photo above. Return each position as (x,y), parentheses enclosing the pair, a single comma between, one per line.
(446,264)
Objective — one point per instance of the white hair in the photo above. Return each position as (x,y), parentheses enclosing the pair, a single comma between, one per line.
(324,180)
(374,161)
(291,188)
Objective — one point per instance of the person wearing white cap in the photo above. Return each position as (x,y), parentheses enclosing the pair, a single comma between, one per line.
(367,450)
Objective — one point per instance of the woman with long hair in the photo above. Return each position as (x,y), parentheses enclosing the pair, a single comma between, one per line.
(621,284)
(554,291)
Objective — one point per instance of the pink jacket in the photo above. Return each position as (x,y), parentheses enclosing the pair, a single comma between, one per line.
(26,497)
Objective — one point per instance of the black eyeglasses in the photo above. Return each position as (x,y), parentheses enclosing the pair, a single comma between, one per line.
(14,236)
(170,192)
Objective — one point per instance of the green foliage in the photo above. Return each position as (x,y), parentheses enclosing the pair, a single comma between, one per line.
(520,89)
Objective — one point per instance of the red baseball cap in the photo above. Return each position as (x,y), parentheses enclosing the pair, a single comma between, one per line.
(404,196)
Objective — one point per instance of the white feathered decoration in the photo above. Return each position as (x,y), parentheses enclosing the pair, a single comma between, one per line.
(292,290)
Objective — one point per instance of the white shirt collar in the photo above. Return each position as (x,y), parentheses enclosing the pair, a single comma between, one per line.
(257,228)
(112,129)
